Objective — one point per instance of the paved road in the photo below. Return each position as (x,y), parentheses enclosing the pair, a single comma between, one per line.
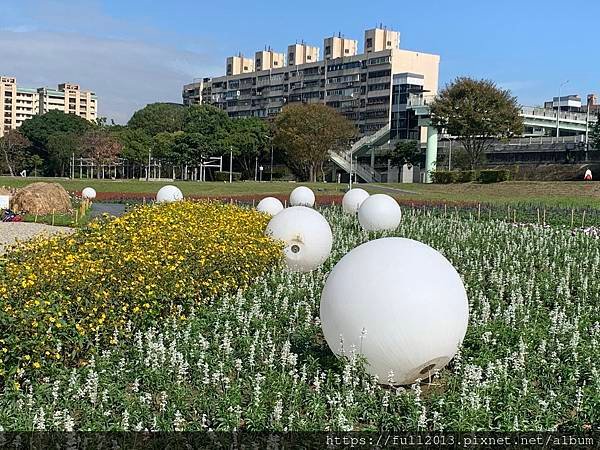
(11,232)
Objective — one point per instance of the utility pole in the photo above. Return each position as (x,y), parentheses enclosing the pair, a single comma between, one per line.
(256,168)
(558,111)
(450,156)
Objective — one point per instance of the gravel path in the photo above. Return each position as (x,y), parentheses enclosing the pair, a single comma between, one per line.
(10,232)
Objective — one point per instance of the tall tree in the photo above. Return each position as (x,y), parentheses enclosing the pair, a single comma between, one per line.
(476,112)
(158,117)
(136,144)
(61,147)
(307,132)
(101,146)
(248,139)
(208,121)
(40,128)
(14,147)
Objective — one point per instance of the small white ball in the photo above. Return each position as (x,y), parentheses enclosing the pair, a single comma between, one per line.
(302,196)
(270,205)
(379,212)
(169,193)
(89,193)
(400,304)
(353,199)
(307,237)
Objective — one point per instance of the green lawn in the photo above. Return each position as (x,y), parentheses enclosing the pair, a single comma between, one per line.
(564,193)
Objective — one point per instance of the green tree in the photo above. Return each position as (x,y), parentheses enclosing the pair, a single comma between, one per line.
(135,144)
(14,147)
(307,133)
(248,139)
(595,134)
(40,128)
(476,112)
(35,161)
(61,147)
(158,117)
(405,153)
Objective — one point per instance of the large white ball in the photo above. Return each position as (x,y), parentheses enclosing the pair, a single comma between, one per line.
(306,234)
(400,304)
(270,205)
(302,196)
(89,193)
(379,212)
(168,194)
(353,199)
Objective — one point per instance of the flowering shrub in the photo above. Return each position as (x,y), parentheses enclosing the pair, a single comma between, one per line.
(61,296)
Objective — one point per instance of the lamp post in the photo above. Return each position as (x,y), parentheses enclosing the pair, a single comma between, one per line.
(558,110)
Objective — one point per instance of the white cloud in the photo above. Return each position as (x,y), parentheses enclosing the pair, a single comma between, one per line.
(126,75)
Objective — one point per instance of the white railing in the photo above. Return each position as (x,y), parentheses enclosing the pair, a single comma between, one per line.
(551,113)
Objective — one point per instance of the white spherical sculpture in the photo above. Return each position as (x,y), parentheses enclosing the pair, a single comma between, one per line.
(400,304)
(89,193)
(353,199)
(379,212)
(302,196)
(270,205)
(306,235)
(169,193)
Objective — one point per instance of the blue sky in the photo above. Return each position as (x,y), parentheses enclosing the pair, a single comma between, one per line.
(133,52)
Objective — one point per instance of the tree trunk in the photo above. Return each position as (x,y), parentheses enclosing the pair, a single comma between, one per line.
(10,169)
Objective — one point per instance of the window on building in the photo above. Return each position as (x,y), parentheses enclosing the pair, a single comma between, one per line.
(291,58)
(308,57)
(229,69)
(275,63)
(258,63)
(245,68)
(389,43)
(328,50)
(369,42)
(346,51)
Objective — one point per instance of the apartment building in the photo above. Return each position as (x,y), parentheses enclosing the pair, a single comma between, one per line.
(18,104)
(370,89)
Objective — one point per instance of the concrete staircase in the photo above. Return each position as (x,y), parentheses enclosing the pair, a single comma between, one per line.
(363,145)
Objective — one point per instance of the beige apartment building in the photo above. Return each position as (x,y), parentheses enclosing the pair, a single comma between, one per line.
(371,89)
(18,104)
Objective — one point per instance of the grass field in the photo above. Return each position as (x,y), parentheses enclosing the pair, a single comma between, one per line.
(567,194)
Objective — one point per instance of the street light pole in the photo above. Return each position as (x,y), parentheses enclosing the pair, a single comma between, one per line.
(230,165)
(558,111)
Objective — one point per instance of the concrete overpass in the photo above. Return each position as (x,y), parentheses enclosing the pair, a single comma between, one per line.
(535,118)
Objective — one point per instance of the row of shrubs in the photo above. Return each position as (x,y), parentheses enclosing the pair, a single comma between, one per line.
(468,176)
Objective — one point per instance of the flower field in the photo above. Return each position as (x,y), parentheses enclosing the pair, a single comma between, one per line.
(61,297)
(256,359)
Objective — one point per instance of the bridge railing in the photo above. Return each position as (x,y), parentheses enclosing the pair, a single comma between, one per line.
(532,140)
(550,113)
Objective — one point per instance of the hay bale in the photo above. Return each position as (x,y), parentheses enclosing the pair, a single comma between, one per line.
(41,198)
